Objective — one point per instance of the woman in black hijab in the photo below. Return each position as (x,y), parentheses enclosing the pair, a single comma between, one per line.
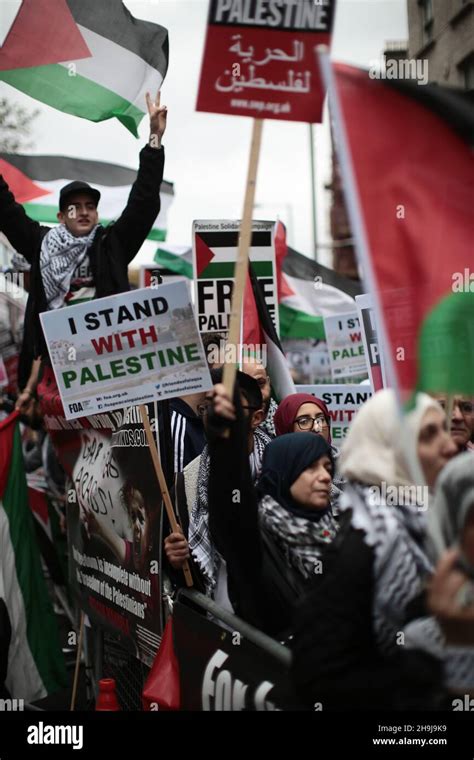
(269,537)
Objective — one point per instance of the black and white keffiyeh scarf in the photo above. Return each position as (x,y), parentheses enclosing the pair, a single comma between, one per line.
(401,565)
(200,543)
(300,540)
(61,254)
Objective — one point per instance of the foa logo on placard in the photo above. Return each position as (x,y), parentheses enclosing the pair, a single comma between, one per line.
(222,692)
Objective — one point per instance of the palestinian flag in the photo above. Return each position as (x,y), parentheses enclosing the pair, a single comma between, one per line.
(258,330)
(412,153)
(47,533)
(88,58)
(308,292)
(35,664)
(35,181)
(177,259)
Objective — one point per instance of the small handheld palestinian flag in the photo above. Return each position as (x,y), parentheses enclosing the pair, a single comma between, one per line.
(87,58)
(308,292)
(258,330)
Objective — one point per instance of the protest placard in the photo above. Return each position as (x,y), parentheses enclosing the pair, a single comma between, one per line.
(374,357)
(131,348)
(346,349)
(343,402)
(215,247)
(309,359)
(114,526)
(259,58)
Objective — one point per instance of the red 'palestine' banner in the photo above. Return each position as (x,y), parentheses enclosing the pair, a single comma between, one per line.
(259,58)
(412,153)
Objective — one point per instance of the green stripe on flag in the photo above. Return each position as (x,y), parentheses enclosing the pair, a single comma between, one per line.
(298,324)
(226,269)
(174,263)
(48,215)
(42,631)
(55,86)
(446,359)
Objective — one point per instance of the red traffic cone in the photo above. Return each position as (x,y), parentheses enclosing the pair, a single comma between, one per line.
(107,698)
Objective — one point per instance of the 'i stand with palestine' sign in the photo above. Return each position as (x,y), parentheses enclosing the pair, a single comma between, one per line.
(259,58)
(127,349)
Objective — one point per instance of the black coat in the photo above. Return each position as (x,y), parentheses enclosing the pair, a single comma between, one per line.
(262,587)
(113,248)
(336,660)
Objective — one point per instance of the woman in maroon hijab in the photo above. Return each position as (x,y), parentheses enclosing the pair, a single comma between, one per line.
(302,412)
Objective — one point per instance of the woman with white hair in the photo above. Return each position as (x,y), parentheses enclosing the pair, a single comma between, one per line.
(348,641)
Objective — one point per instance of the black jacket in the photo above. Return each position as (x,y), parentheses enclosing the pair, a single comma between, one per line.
(336,660)
(187,433)
(113,248)
(262,587)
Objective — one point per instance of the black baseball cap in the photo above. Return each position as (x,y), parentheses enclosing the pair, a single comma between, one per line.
(77,187)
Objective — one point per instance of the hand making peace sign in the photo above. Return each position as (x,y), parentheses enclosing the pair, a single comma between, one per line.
(158,116)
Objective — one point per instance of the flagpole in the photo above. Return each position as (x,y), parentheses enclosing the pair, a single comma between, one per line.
(313,190)
(241,265)
(163,485)
(353,205)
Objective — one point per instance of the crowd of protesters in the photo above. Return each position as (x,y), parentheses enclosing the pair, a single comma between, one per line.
(361,560)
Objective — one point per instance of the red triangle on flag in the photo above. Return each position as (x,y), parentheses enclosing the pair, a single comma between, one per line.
(281,249)
(43,32)
(22,187)
(204,255)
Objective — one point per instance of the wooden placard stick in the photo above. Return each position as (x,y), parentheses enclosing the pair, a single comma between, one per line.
(78,663)
(449,410)
(241,265)
(163,486)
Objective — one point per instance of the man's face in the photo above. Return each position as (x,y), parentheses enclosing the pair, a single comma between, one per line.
(253,416)
(435,446)
(462,418)
(258,372)
(79,215)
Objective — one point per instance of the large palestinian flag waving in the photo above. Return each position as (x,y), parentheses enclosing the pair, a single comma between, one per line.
(35,664)
(412,153)
(35,181)
(87,58)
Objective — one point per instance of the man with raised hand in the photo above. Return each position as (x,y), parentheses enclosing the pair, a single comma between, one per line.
(80,259)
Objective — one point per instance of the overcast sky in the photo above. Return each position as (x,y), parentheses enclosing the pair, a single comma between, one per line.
(207,154)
